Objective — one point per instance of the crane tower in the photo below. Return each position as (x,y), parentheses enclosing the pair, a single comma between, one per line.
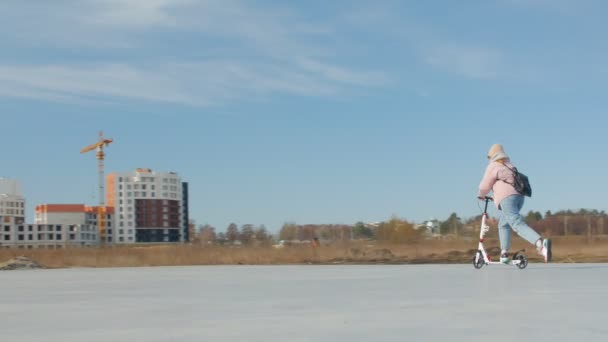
(101,209)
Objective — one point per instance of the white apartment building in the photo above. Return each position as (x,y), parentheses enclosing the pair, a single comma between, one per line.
(150,207)
(15,234)
(12,202)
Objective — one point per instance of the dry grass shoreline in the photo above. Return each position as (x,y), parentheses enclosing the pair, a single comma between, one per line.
(566,250)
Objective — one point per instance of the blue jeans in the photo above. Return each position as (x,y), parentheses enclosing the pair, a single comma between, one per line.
(510,218)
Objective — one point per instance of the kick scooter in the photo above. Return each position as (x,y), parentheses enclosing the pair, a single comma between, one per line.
(481,257)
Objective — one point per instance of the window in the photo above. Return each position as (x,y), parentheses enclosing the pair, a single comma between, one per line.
(130,231)
(40,236)
(7,228)
(72,236)
(120,187)
(30,237)
(120,179)
(153,187)
(121,239)
(21,237)
(20,228)
(153,195)
(122,224)
(128,186)
(129,194)
(143,194)
(136,193)
(143,186)
(30,228)
(58,236)
(129,201)
(120,194)
(120,231)
(58,228)
(7,237)
(110,231)
(130,238)
(120,202)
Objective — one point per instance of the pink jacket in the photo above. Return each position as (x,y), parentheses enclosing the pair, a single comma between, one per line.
(493,180)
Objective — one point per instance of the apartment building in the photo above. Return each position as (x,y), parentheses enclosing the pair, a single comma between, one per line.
(74,214)
(12,202)
(15,234)
(150,207)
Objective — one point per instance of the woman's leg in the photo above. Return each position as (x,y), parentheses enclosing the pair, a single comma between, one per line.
(504,231)
(510,208)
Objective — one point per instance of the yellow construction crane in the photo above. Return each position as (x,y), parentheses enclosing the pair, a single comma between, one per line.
(101,210)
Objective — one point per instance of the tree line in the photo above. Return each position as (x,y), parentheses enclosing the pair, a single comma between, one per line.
(565,222)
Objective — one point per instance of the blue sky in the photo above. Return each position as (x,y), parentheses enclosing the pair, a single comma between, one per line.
(309,111)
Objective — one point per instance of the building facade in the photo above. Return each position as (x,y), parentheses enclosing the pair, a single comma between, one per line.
(74,214)
(12,202)
(150,207)
(16,234)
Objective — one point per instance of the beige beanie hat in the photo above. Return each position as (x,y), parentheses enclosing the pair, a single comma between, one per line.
(497,152)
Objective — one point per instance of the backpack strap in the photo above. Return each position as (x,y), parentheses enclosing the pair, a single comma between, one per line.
(514,170)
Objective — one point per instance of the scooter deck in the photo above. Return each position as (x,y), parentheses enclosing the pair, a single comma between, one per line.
(510,263)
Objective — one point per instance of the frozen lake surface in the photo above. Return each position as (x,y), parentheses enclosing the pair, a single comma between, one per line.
(566,302)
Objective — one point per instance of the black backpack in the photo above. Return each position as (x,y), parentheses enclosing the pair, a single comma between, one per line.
(521,183)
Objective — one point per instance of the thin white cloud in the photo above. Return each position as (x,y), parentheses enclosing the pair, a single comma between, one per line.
(472,62)
(342,75)
(135,14)
(67,82)
(197,84)
(248,51)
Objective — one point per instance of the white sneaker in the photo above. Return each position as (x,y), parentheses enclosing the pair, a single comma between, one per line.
(545,250)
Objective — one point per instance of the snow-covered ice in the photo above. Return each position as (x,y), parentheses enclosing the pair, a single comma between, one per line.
(560,302)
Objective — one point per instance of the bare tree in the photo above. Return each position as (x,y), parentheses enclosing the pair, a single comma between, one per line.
(232,233)
(247,234)
(207,234)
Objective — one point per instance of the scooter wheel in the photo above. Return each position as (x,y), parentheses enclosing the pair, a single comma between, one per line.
(478,261)
(523,260)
